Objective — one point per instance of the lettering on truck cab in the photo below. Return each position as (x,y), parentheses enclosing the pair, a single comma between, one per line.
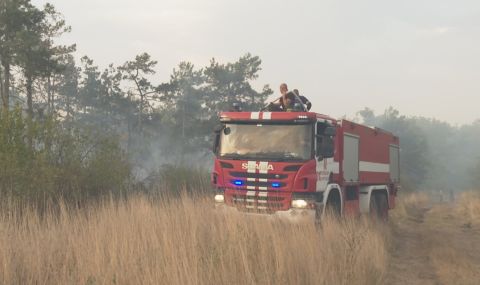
(257,166)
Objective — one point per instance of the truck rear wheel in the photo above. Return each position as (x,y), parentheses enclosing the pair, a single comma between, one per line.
(379,207)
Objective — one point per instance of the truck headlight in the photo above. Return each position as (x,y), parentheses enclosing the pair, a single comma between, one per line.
(300,204)
(219,198)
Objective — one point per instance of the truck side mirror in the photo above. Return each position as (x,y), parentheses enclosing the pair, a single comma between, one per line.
(216,141)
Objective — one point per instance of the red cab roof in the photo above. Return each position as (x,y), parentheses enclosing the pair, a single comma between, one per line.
(273,116)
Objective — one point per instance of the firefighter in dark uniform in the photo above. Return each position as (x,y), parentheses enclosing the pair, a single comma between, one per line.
(304,99)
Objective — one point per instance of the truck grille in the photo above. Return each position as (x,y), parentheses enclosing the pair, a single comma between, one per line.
(258,175)
(253,201)
(262,184)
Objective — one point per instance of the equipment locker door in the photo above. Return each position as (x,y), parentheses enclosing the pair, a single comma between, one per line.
(350,157)
(394,163)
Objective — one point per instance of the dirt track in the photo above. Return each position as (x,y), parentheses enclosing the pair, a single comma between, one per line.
(433,246)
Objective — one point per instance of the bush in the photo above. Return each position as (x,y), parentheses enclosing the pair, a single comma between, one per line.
(45,160)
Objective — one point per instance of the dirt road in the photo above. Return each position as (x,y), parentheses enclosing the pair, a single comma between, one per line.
(431,245)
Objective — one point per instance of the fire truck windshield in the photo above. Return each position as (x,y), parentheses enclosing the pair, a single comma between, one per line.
(267,142)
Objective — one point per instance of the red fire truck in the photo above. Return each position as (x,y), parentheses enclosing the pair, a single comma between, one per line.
(301,164)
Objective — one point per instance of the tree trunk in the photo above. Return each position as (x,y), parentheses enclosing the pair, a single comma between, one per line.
(140,112)
(29,96)
(49,95)
(6,85)
(130,110)
(53,95)
(1,79)
(68,106)
(130,127)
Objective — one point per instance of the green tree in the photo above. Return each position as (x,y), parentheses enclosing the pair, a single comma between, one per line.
(33,55)
(231,83)
(183,107)
(144,92)
(53,27)
(68,87)
(34,50)
(90,88)
(113,102)
(13,16)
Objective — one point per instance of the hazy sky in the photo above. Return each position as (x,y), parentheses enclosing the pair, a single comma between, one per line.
(421,57)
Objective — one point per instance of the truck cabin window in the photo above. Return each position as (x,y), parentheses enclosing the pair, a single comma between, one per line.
(272,142)
(325,141)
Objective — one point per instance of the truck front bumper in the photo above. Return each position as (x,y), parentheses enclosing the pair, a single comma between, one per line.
(291,215)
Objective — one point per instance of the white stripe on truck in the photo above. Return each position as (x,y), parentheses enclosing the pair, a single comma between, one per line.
(367,166)
(251,166)
(263,167)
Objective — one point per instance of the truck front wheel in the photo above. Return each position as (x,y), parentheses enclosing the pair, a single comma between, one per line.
(333,208)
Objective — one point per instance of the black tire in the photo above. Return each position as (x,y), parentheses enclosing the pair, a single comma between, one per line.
(333,209)
(383,207)
(379,207)
(373,207)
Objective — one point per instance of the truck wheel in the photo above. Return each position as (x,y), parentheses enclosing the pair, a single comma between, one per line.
(378,207)
(332,211)
(318,217)
(333,208)
(383,207)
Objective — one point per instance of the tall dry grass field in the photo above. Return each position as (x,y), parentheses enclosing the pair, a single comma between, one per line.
(182,241)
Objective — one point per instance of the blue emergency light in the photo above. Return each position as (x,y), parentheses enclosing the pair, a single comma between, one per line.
(238,182)
(275,185)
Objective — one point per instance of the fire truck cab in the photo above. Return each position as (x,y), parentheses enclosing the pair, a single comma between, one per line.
(298,165)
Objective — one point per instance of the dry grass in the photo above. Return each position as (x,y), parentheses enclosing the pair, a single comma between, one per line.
(406,202)
(436,243)
(183,242)
(468,207)
(455,235)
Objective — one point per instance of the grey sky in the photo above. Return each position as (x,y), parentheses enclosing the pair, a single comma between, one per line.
(421,57)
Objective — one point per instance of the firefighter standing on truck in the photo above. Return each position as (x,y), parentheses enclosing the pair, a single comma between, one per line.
(289,100)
